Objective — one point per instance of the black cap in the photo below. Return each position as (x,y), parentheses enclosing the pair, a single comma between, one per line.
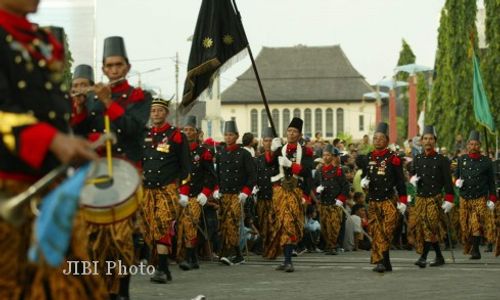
(429,129)
(331,149)
(161,102)
(268,132)
(230,126)
(84,71)
(296,123)
(382,127)
(474,136)
(190,121)
(114,46)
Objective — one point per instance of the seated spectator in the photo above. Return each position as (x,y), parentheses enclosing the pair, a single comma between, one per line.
(312,232)
(359,217)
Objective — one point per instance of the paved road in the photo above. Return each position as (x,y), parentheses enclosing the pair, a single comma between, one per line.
(318,276)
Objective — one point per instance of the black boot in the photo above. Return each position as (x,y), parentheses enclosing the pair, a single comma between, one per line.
(439,261)
(124,288)
(489,247)
(162,274)
(194,259)
(288,266)
(185,265)
(475,253)
(422,261)
(387,262)
(380,268)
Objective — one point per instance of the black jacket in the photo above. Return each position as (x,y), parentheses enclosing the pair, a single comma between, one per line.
(203,177)
(435,175)
(166,157)
(235,170)
(478,176)
(335,183)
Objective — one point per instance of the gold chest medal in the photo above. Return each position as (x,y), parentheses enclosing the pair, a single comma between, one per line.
(382,167)
(163,146)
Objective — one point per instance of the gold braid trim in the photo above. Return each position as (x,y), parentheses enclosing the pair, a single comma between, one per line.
(10,120)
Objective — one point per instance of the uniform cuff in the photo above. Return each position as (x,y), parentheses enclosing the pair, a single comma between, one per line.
(184,190)
(115,111)
(35,142)
(246,190)
(206,191)
(296,168)
(493,198)
(449,198)
(342,197)
(403,199)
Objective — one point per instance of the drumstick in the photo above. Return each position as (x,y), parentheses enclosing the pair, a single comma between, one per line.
(107,129)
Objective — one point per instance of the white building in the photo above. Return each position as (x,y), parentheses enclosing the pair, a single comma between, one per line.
(317,84)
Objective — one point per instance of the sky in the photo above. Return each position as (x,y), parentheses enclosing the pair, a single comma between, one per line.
(369,31)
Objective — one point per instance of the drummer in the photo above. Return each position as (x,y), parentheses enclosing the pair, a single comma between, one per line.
(128,110)
(34,139)
(166,165)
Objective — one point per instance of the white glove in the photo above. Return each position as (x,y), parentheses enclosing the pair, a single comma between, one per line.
(402,208)
(255,190)
(183,200)
(242,197)
(217,195)
(459,182)
(447,206)
(275,144)
(414,179)
(491,205)
(339,203)
(319,189)
(285,162)
(365,182)
(202,199)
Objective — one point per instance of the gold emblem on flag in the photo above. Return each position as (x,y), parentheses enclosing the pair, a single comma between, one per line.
(208,42)
(228,39)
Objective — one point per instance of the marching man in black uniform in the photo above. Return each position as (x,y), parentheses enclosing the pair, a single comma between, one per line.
(128,110)
(236,174)
(431,174)
(34,139)
(166,166)
(290,192)
(383,174)
(201,184)
(332,189)
(264,191)
(475,177)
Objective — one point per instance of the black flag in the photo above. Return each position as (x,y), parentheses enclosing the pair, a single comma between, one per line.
(218,37)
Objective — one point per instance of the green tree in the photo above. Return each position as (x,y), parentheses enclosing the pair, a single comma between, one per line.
(490,62)
(68,62)
(452,91)
(422,90)
(406,56)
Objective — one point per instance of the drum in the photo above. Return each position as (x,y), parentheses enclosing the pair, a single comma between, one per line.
(107,200)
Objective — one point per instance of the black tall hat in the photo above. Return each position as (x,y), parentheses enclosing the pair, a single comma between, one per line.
(230,126)
(296,123)
(114,46)
(429,129)
(84,71)
(382,127)
(268,132)
(474,136)
(190,121)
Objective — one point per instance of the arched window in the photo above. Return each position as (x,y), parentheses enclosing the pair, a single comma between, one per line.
(361,123)
(329,122)
(254,122)
(296,113)
(264,120)
(340,121)
(286,120)
(276,119)
(318,121)
(307,122)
